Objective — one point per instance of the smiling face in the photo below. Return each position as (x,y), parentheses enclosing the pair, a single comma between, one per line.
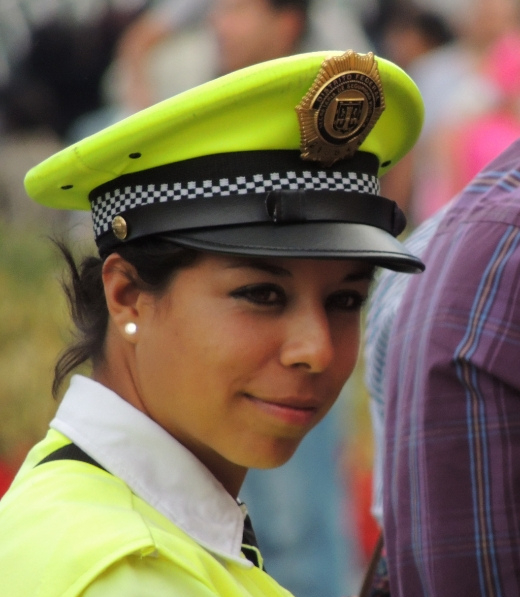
(240,358)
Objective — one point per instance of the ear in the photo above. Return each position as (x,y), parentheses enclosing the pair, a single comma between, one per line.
(122,293)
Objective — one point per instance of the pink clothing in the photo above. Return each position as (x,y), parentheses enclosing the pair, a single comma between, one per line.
(6,477)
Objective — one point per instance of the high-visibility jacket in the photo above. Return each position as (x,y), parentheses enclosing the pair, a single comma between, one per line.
(69,529)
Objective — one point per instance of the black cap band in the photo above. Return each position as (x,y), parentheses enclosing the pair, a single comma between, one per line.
(276,207)
(246,174)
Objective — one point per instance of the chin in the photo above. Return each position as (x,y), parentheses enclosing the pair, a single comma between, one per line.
(274,456)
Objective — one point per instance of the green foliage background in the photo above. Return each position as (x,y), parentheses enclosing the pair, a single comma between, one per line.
(34,328)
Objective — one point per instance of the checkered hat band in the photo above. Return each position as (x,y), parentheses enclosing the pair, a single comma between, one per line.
(116,201)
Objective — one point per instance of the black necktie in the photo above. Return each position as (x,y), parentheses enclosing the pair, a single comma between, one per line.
(250,545)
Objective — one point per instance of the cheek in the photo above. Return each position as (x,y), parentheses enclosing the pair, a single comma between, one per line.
(238,345)
(347,342)
(209,350)
(156,363)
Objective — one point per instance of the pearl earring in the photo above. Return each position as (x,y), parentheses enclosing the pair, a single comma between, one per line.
(130,328)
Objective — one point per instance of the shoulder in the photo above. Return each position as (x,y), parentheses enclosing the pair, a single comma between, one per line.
(67,521)
(81,531)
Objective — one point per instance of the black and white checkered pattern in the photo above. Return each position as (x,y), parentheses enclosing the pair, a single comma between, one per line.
(111,204)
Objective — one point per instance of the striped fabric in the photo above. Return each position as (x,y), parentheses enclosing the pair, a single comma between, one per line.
(384,302)
(452,398)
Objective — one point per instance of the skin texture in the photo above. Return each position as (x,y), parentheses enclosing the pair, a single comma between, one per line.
(251,31)
(239,358)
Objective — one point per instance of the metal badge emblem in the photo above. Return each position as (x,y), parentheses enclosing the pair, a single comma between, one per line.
(119,228)
(341,108)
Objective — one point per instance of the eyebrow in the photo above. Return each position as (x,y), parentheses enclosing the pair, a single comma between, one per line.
(261,265)
(367,274)
(276,270)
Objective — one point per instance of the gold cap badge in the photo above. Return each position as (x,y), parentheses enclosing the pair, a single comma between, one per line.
(119,228)
(341,107)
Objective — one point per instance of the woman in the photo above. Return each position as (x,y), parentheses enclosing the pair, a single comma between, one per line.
(237,239)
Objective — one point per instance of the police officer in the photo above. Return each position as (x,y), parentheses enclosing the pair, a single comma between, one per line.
(238,227)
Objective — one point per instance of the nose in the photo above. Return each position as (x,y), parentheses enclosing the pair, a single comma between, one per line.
(308,343)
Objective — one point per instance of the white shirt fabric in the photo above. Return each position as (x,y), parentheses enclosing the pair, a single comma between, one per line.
(155,466)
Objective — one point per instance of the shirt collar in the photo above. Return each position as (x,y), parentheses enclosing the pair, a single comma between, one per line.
(155,466)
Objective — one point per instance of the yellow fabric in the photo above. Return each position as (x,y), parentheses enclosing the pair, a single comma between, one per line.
(70,529)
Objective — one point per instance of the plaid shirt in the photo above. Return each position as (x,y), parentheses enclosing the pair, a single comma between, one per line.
(385,299)
(452,451)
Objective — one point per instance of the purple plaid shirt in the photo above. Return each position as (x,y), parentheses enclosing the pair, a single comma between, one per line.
(452,468)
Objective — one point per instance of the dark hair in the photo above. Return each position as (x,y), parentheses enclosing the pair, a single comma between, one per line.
(302,5)
(155,262)
(432,25)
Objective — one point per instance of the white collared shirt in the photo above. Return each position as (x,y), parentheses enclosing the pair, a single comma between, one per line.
(155,466)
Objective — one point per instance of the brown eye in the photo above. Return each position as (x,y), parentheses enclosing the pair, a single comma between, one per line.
(345,300)
(261,294)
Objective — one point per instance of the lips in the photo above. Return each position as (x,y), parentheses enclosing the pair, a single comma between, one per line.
(296,411)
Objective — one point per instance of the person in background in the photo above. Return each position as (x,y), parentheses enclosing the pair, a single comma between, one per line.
(460,149)
(451,391)
(221,319)
(53,56)
(55,75)
(197,40)
(457,87)
(383,305)
(410,33)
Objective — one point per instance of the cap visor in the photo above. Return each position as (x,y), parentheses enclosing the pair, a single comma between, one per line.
(321,240)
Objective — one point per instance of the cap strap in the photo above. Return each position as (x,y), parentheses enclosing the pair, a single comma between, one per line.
(281,207)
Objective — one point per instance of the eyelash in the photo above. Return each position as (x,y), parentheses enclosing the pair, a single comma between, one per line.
(355,299)
(252,294)
(259,294)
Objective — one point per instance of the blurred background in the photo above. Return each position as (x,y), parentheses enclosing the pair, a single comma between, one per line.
(70,67)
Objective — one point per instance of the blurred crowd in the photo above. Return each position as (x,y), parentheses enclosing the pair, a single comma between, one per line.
(69,68)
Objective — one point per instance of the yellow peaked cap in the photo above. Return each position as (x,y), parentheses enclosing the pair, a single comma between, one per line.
(250,109)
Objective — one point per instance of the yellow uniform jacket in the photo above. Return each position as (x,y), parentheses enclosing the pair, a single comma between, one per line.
(68,528)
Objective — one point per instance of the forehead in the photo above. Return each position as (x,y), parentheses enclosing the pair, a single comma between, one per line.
(283,267)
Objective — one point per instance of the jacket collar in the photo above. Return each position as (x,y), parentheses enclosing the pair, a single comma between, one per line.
(155,466)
